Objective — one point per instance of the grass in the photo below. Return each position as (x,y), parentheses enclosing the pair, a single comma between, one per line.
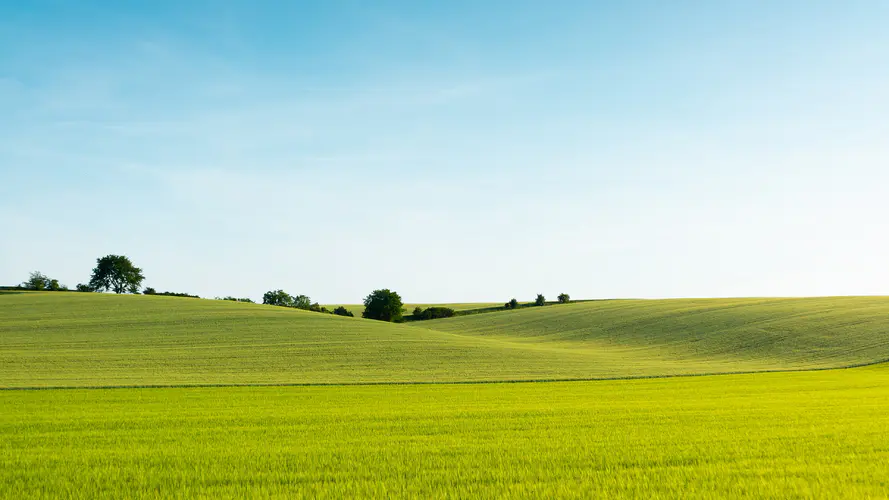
(788,435)
(72,340)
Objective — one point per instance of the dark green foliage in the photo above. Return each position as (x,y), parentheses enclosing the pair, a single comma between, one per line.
(149,291)
(434,313)
(237,299)
(540,300)
(342,311)
(418,312)
(37,281)
(316,307)
(302,302)
(117,274)
(56,287)
(83,288)
(512,304)
(277,298)
(383,305)
(176,294)
(564,298)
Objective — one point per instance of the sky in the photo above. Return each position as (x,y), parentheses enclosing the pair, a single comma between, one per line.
(451,151)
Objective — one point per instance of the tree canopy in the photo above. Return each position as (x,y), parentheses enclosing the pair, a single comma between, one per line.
(117,274)
(383,305)
(564,298)
(540,300)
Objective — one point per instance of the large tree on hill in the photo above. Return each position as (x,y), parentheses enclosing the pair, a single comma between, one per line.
(117,274)
(383,305)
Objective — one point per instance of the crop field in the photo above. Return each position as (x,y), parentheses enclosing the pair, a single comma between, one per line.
(77,340)
(147,397)
(808,434)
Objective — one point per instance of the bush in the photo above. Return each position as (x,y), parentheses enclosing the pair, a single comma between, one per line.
(512,304)
(418,312)
(236,299)
(564,298)
(83,288)
(149,291)
(540,300)
(342,311)
(434,313)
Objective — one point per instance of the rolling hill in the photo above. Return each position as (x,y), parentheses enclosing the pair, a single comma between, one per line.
(89,340)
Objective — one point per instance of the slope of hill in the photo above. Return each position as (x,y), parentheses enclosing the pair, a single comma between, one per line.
(70,339)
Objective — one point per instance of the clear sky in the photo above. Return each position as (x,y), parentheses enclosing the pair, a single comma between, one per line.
(453,151)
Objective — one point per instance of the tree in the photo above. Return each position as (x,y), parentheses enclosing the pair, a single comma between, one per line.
(117,274)
(303,302)
(564,298)
(83,288)
(342,311)
(383,305)
(37,281)
(149,291)
(512,304)
(435,312)
(277,298)
(540,301)
(418,312)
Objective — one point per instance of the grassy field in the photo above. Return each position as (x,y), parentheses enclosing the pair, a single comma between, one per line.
(803,435)
(71,340)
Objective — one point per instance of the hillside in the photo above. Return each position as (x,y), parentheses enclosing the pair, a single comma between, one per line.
(70,339)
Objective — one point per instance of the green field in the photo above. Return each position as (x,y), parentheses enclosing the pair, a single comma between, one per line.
(74,340)
(811,434)
(794,434)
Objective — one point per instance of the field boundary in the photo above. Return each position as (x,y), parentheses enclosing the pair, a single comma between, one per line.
(443,382)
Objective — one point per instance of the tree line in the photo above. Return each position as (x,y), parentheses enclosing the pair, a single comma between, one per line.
(116,273)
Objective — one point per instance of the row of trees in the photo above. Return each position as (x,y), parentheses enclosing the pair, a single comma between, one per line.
(284,299)
(116,273)
(563,298)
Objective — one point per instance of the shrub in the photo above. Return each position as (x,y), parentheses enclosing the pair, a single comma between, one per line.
(564,298)
(540,300)
(342,311)
(418,312)
(149,291)
(512,304)
(83,288)
(236,299)
(434,313)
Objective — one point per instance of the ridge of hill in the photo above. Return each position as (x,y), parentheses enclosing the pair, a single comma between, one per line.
(96,340)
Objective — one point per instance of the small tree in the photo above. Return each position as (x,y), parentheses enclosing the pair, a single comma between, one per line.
(540,300)
(564,298)
(83,288)
(342,311)
(303,302)
(37,281)
(383,305)
(116,273)
(277,298)
(418,312)
(512,304)
(149,291)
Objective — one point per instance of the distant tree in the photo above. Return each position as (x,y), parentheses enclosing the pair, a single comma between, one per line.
(383,305)
(418,312)
(540,300)
(277,298)
(149,291)
(512,304)
(117,274)
(83,288)
(564,298)
(303,302)
(37,281)
(236,299)
(342,311)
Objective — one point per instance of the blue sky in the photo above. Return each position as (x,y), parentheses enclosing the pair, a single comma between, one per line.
(452,151)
